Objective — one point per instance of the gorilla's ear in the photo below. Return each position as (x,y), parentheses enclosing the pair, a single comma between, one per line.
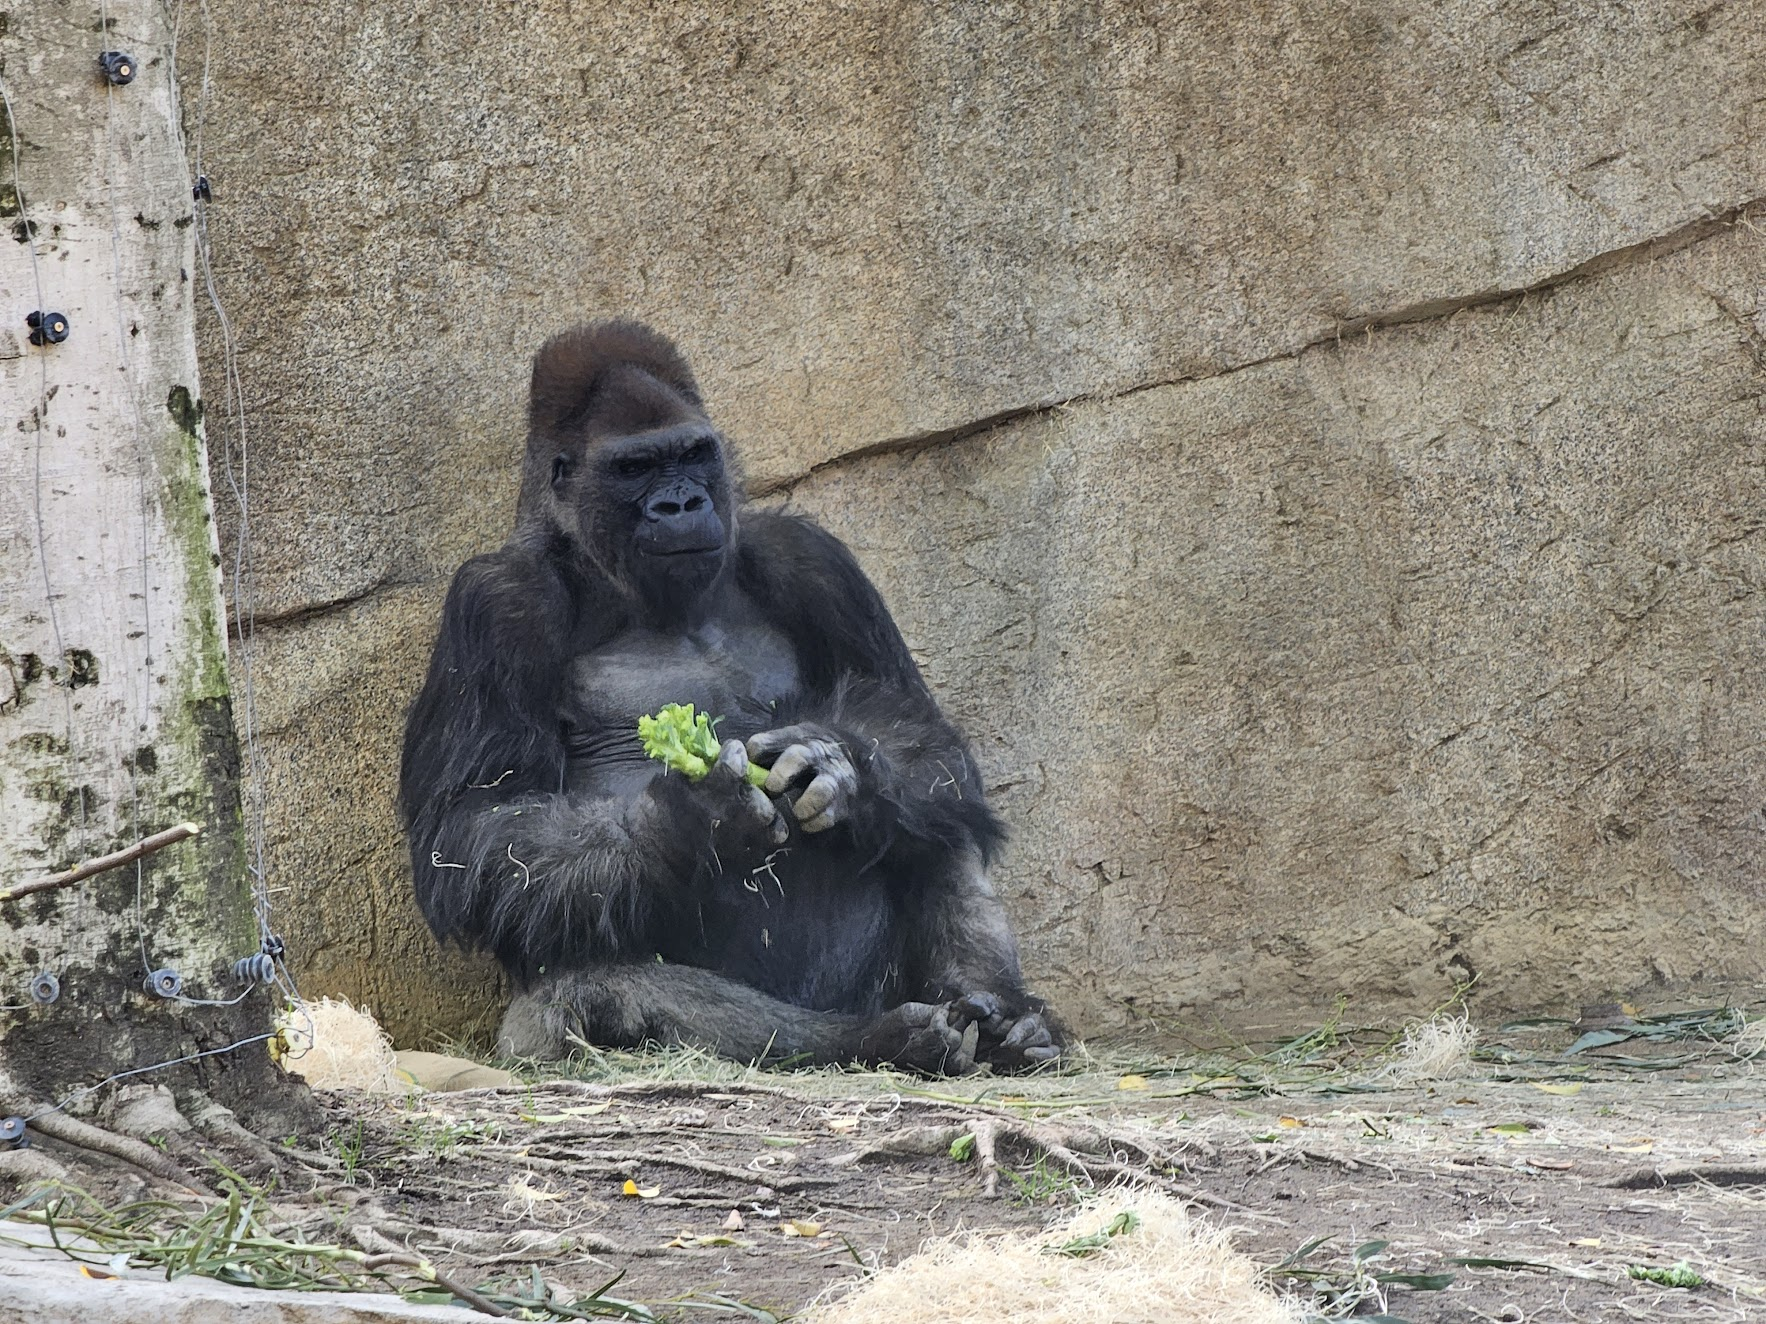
(574,364)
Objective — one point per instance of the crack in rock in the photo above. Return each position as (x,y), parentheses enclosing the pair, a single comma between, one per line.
(1428,310)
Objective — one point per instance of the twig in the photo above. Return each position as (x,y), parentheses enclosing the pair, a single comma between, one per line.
(424,1269)
(128,855)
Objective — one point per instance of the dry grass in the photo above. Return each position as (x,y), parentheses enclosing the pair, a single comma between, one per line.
(1436,1049)
(1750,1042)
(1162,1266)
(336,1046)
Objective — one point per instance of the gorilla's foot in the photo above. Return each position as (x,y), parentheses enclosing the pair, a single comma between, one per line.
(1010,1041)
(938,1039)
(534,1027)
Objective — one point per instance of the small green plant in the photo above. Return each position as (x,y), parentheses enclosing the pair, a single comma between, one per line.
(1042,1184)
(349,1145)
(962,1149)
(439,1137)
(687,743)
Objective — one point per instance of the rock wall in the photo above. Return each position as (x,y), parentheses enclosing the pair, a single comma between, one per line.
(1315,448)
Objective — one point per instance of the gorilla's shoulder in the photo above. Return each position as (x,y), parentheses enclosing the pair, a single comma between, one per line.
(812,586)
(509,592)
(775,537)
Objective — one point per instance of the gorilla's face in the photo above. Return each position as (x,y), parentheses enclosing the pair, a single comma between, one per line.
(653,509)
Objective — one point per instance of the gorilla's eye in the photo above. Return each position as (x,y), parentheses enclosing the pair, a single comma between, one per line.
(560,470)
(700,452)
(631,466)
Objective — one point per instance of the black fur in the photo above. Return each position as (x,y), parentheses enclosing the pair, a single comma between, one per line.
(629,905)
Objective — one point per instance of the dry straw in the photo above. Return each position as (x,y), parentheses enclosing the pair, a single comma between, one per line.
(1162,1266)
(344,1049)
(1436,1049)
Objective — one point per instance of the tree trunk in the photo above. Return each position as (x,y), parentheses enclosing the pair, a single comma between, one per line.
(115,720)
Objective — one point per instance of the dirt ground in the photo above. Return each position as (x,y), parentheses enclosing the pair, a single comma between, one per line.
(1529,1190)
(1532,1185)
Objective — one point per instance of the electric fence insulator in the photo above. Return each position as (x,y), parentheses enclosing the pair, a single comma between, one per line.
(273,947)
(165,983)
(202,192)
(12,1131)
(255,969)
(45,988)
(46,328)
(118,69)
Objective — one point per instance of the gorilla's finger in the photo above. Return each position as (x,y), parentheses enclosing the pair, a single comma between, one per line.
(766,743)
(758,806)
(820,795)
(822,822)
(788,767)
(732,759)
(978,1006)
(1028,1032)
(971,1038)
(1041,1054)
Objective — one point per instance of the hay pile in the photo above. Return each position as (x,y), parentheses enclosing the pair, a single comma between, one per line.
(1161,1267)
(335,1046)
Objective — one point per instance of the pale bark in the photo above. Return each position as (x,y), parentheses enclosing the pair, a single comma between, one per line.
(114,708)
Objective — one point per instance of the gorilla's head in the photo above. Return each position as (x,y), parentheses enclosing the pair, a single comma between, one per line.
(624,465)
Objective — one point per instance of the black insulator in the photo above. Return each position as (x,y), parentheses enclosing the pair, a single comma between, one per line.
(255,969)
(45,988)
(165,983)
(46,328)
(118,68)
(273,946)
(202,192)
(12,1131)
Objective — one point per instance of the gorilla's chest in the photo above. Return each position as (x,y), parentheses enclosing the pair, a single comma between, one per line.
(740,671)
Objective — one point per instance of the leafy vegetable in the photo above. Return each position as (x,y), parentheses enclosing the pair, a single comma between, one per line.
(1681,1275)
(1079,1247)
(687,743)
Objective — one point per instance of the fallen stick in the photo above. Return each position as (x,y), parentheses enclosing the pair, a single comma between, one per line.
(127,855)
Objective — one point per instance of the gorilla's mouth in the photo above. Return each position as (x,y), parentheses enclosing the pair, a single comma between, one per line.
(667,552)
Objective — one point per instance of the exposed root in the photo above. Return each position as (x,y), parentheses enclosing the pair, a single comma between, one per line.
(1090,1154)
(627,1163)
(218,1123)
(386,1232)
(1642,1179)
(70,1131)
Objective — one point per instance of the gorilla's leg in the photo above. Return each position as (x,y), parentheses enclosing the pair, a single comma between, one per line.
(625,1005)
(965,951)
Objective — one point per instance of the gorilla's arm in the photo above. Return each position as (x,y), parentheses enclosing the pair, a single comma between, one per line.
(504,859)
(917,788)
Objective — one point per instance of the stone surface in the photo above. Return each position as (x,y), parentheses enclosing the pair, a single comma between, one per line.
(45,1289)
(1373,669)
(1016,296)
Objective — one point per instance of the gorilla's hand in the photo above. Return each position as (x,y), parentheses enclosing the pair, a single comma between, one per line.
(1010,1041)
(810,758)
(743,821)
(744,807)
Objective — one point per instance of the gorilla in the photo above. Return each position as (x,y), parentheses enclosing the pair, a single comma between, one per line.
(840,913)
